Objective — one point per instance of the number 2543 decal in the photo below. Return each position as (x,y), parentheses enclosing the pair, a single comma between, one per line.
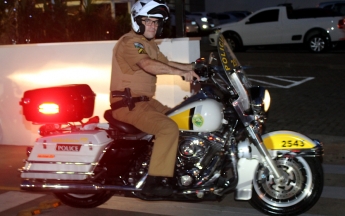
(292,143)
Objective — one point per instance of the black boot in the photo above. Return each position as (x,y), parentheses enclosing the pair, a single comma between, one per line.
(157,186)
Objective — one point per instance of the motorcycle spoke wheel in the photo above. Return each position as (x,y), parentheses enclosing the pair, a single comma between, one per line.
(84,200)
(300,190)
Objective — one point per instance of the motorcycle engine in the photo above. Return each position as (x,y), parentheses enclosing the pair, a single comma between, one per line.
(198,158)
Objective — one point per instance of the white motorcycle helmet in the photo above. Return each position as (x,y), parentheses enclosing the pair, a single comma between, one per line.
(148,8)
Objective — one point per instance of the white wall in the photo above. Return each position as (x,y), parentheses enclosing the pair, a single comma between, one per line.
(25,67)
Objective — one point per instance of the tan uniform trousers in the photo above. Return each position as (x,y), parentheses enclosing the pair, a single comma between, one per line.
(149,117)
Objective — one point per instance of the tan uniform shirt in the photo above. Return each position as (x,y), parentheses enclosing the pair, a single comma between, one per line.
(128,51)
(147,116)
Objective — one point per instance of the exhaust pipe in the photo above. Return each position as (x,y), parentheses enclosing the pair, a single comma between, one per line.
(70,188)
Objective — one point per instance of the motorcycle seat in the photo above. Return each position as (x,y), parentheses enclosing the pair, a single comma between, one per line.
(121,126)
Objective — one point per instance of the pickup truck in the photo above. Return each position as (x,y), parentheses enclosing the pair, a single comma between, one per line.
(317,28)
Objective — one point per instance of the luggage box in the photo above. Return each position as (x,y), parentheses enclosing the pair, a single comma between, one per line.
(59,104)
(71,156)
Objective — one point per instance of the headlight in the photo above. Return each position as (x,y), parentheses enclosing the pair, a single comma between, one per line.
(267,100)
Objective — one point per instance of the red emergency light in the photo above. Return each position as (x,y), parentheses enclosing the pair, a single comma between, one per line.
(59,104)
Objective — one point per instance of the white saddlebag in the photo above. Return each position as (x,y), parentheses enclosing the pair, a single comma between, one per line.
(70,156)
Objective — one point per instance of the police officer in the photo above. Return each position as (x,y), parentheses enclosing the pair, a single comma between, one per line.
(135,64)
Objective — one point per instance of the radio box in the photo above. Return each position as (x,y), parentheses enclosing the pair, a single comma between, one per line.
(70,156)
(59,104)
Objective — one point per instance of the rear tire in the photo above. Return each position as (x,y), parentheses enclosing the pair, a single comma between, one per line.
(84,200)
(318,44)
(301,190)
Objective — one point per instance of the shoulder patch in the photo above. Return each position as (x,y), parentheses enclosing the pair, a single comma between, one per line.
(140,47)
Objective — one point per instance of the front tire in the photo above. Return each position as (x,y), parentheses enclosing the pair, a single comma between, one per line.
(301,189)
(85,200)
(234,41)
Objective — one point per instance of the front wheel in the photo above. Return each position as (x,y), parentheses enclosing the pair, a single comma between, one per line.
(85,200)
(234,41)
(301,189)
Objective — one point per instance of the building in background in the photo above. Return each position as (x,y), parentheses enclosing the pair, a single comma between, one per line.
(190,5)
(115,7)
(49,21)
(119,7)
(253,5)
(219,6)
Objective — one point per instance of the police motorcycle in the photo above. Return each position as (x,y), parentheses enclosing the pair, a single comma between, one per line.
(222,147)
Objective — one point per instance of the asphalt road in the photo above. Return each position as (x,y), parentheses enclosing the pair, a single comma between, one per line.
(307,96)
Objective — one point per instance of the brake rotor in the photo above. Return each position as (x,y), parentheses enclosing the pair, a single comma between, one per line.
(292,184)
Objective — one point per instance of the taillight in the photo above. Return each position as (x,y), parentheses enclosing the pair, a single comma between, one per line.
(341,24)
(48,108)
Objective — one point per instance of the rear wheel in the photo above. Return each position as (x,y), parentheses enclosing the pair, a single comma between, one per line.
(301,189)
(84,200)
(317,44)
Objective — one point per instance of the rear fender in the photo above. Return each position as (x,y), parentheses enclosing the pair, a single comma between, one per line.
(316,31)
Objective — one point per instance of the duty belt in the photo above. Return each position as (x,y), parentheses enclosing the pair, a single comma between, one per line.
(127,99)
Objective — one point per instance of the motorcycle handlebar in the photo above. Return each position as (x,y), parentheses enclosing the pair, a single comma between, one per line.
(201,69)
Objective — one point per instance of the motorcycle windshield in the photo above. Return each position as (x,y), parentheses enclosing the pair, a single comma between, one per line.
(235,74)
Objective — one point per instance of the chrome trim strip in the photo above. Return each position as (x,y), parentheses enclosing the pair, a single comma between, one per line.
(57,172)
(314,152)
(64,163)
(70,187)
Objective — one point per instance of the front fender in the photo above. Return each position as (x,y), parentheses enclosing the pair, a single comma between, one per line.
(278,143)
(292,141)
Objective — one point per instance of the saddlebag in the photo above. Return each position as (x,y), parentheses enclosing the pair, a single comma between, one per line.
(71,156)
